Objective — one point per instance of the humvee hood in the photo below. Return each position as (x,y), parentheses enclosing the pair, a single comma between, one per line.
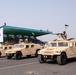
(8,50)
(13,50)
(16,49)
(54,49)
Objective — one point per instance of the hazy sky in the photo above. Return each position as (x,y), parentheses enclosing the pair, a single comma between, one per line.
(40,14)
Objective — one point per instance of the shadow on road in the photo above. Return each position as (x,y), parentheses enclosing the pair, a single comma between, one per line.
(25,58)
(2,56)
(71,60)
(51,62)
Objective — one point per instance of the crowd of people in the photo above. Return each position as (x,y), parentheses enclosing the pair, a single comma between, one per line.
(12,41)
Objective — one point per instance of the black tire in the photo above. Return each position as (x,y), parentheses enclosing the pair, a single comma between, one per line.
(61,60)
(17,55)
(36,54)
(0,55)
(41,59)
(28,56)
(9,57)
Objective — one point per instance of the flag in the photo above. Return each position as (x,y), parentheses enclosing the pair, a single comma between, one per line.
(66,26)
(1,34)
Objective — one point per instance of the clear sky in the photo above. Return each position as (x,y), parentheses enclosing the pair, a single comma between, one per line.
(40,14)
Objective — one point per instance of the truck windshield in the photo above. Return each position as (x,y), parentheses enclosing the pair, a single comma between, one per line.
(21,46)
(53,44)
(62,44)
(18,46)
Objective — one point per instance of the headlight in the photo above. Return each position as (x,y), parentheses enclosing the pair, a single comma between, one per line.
(58,51)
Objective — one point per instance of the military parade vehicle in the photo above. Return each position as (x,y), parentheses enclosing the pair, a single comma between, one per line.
(59,50)
(23,49)
(4,48)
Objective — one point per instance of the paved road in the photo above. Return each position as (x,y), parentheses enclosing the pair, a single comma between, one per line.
(31,66)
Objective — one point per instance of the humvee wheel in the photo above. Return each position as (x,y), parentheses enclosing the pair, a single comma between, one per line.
(61,60)
(0,54)
(41,59)
(17,55)
(36,54)
(8,57)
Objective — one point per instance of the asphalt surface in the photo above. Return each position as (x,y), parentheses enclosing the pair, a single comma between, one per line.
(31,66)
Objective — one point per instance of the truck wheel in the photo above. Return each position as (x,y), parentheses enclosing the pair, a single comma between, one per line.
(0,54)
(61,60)
(36,54)
(41,59)
(17,56)
(8,57)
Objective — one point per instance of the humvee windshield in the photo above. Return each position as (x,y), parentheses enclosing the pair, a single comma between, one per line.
(62,44)
(59,44)
(18,46)
(53,44)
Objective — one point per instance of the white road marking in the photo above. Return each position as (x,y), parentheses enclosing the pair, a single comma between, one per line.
(18,65)
(33,73)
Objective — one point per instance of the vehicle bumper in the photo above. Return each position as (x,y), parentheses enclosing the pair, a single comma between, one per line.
(7,54)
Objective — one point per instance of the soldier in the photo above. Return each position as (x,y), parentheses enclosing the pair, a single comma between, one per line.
(64,35)
(26,40)
(20,40)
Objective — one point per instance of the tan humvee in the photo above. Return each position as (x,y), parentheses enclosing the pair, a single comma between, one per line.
(4,48)
(59,50)
(23,49)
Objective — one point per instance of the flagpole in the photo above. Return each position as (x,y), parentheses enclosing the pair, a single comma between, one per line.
(66,28)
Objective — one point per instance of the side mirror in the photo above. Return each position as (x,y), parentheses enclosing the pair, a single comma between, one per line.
(71,45)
